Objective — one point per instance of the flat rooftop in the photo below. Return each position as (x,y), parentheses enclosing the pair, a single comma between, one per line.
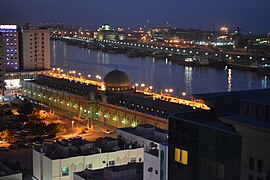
(248,122)
(228,103)
(67,148)
(203,118)
(150,135)
(99,174)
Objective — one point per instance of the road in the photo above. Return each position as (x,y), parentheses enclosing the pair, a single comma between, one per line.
(74,124)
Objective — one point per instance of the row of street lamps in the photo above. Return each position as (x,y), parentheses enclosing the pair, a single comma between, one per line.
(143,86)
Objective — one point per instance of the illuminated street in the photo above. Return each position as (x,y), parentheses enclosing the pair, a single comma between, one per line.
(61,116)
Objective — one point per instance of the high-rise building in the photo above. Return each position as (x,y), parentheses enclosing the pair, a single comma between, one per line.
(35,48)
(229,142)
(10,47)
(1,69)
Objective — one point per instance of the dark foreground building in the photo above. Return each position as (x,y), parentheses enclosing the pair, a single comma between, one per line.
(229,142)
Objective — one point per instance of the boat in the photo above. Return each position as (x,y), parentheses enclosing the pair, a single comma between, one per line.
(200,60)
(160,55)
(188,61)
(217,63)
(234,65)
(176,57)
(112,49)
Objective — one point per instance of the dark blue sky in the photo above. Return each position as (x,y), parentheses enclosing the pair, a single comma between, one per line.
(251,15)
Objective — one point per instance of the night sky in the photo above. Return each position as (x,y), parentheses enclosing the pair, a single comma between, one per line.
(251,15)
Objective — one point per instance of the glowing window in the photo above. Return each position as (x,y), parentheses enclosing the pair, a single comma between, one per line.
(181,156)
(65,171)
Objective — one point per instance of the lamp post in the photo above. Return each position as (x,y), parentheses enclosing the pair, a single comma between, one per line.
(72,122)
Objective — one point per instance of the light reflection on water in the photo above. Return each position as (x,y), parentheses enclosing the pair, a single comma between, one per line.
(229,80)
(161,74)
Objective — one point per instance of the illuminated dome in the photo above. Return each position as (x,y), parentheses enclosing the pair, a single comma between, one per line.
(117,81)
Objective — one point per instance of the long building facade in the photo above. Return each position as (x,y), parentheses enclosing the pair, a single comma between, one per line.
(90,109)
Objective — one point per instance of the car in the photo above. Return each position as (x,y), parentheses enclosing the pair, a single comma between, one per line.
(107,131)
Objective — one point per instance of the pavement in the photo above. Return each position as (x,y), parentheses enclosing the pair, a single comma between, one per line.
(73,125)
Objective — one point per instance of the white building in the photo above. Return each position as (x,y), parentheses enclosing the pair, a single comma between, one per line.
(60,160)
(35,48)
(154,141)
(10,47)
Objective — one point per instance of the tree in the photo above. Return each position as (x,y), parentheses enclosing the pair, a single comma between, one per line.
(6,134)
(26,108)
(55,128)
(83,129)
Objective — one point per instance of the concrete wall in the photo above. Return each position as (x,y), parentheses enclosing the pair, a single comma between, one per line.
(37,164)
(151,162)
(255,144)
(17,176)
(47,168)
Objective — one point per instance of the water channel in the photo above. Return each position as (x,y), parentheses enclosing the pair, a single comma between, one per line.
(161,74)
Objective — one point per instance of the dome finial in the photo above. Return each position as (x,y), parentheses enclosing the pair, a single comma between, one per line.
(116,67)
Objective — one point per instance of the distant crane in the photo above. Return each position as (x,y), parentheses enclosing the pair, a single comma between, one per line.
(243,38)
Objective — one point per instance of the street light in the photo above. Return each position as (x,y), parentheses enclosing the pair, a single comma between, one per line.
(184,93)
(170,90)
(72,122)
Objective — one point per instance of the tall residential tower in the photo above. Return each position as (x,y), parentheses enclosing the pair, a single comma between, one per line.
(10,47)
(35,48)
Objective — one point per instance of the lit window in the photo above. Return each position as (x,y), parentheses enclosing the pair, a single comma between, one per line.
(181,156)
(65,171)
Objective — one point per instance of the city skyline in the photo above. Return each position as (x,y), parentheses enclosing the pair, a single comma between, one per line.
(248,15)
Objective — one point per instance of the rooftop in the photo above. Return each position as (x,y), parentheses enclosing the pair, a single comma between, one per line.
(100,173)
(6,171)
(70,86)
(67,148)
(149,132)
(228,103)
(246,121)
(204,118)
(134,101)
(146,104)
